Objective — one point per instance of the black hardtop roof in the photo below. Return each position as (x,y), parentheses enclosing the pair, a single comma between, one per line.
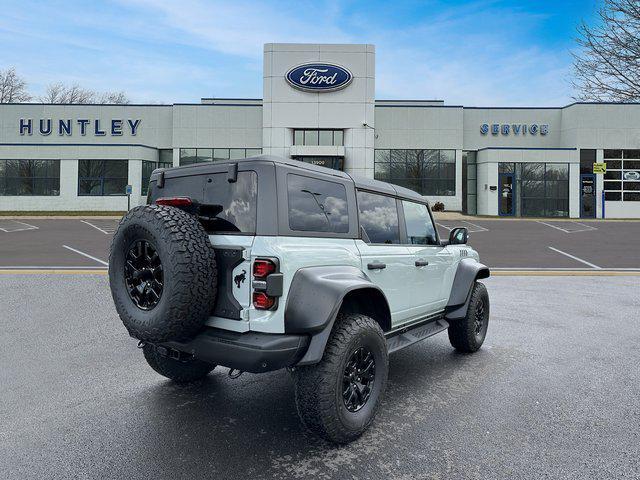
(360,182)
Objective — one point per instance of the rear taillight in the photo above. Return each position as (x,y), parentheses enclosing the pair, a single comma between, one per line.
(262,268)
(175,201)
(262,301)
(267,283)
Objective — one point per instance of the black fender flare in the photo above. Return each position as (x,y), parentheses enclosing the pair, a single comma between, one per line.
(315,298)
(469,270)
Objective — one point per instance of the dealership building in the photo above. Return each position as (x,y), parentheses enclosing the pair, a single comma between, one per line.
(319,106)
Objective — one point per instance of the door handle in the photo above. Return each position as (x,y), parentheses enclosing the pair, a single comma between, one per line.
(376,266)
(421,263)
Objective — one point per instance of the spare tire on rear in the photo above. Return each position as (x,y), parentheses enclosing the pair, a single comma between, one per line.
(162,273)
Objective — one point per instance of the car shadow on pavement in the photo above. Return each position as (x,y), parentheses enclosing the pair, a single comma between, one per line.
(219,421)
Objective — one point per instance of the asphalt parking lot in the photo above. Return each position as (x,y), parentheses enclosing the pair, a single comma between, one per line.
(552,394)
(503,244)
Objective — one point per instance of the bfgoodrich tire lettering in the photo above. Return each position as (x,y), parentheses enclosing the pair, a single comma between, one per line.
(467,335)
(189,273)
(319,388)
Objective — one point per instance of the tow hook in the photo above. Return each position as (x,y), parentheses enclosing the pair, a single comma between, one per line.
(235,373)
(141,344)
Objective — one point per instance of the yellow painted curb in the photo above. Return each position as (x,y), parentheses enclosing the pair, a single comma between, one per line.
(51,272)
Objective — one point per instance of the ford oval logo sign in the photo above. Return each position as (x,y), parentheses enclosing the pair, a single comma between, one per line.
(631,175)
(319,77)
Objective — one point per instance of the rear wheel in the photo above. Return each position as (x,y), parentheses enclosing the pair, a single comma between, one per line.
(179,370)
(337,399)
(467,335)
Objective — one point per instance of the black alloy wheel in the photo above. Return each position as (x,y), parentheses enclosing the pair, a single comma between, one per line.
(143,274)
(358,379)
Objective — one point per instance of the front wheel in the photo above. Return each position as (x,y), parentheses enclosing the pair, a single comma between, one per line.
(337,399)
(467,335)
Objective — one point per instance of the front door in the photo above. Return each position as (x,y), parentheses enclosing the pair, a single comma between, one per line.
(587,195)
(506,194)
(431,260)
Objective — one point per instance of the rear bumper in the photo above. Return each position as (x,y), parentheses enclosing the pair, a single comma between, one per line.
(250,352)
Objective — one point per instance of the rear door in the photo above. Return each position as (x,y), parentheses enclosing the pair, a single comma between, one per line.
(232,232)
(384,259)
(431,261)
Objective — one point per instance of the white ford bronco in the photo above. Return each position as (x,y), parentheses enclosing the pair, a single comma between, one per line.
(266,263)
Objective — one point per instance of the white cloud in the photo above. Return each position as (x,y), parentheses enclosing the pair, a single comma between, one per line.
(480,53)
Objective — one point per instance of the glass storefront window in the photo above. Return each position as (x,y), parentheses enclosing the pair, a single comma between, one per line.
(311,137)
(236,153)
(469,182)
(622,180)
(320,137)
(542,189)
(204,155)
(165,156)
(428,172)
(189,156)
(102,177)
(30,177)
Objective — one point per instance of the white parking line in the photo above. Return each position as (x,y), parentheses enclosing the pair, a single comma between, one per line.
(106,232)
(86,255)
(474,228)
(576,258)
(586,228)
(11,230)
(479,227)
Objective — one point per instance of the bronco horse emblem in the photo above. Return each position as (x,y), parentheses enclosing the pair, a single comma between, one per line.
(240,278)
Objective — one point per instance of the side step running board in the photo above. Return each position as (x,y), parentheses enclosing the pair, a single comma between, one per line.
(411,335)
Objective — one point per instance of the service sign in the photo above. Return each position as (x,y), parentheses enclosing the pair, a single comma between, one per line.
(514,129)
(319,77)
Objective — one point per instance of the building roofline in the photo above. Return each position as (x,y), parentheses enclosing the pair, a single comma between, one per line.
(378,103)
(233,98)
(527,148)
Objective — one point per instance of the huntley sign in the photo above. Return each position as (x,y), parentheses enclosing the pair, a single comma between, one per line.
(66,127)
(319,77)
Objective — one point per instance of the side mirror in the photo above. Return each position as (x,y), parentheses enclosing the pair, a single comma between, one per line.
(458,236)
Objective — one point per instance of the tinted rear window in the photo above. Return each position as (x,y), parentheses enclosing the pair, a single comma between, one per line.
(317,205)
(238,201)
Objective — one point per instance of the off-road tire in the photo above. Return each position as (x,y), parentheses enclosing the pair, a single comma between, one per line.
(463,333)
(180,371)
(318,388)
(189,273)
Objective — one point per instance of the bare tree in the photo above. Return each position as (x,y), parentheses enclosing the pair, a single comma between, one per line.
(12,87)
(607,67)
(119,98)
(61,93)
(75,94)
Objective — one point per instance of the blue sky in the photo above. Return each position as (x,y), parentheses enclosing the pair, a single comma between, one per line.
(475,53)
